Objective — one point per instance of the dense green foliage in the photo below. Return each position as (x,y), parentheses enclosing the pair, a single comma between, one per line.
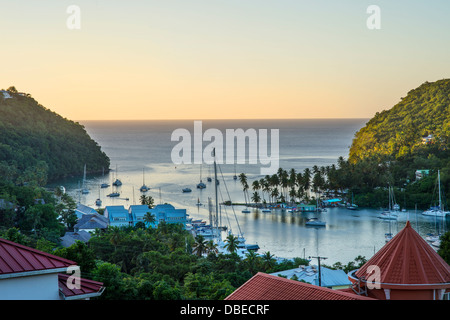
(396,133)
(37,145)
(163,263)
(35,217)
(386,152)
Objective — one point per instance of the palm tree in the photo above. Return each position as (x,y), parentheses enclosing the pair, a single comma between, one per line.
(256,198)
(211,247)
(255,185)
(231,243)
(199,245)
(268,261)
(252,260)
(116,236)
(149,218)
(149,201)
(243,180)
(266,185)
(306,179)
(275,193)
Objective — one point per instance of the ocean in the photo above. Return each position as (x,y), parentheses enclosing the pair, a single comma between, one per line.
(140,151)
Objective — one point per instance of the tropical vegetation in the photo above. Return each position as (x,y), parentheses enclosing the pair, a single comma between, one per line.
(414,135)
(38,145)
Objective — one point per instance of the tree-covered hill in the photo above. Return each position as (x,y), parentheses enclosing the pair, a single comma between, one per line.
(38,145)
(397,133)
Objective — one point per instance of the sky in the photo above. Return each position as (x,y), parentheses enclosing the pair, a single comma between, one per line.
(217,59)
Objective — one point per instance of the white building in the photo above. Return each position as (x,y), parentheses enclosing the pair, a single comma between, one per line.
(30,274)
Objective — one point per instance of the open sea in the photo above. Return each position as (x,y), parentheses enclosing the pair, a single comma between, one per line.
(142,150)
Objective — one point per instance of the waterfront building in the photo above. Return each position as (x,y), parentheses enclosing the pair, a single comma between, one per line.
(167,213)
(117,216)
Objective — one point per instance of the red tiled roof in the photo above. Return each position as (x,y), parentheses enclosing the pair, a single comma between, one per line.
(408,259)
(16,258)
(87,287)
(268,287)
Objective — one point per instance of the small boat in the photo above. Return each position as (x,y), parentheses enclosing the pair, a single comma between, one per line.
(388,215)
(117,182)
(392,212)
(266,210)
(439,210)
(201,185)
(246,211)
(388,236)
(436,243)
(98,202)
(352,206)
(315,222)
(185,190)
(144,188)
(113,194)
(198,202)
(104,184)
(435,212)
(432,237)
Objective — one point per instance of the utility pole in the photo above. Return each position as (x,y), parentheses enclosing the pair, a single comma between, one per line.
(320,273)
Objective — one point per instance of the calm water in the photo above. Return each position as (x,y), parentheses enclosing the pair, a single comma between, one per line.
(136,145)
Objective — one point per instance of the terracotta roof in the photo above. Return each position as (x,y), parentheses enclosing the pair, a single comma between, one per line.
(408,259)
(87,288)
(263,286)
(16,258)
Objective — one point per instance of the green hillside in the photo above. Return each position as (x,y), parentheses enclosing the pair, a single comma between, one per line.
(38,145)
(397,133)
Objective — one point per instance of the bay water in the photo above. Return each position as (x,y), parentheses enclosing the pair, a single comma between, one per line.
(140,152)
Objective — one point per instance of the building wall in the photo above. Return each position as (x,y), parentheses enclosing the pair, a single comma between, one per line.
(38,287)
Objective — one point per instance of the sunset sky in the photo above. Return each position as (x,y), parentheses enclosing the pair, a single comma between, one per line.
(204,59)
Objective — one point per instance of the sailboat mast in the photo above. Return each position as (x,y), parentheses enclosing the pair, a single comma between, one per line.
(439,189)
(215,183)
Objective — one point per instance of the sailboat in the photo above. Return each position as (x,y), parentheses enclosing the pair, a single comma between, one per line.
(352,206)
(314,222)
(437,211)
(392,212)
(98,202)
(117,182)
(144,188)
(104,184)
(84,189)
(242,247)
(113,194)
(201,185)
